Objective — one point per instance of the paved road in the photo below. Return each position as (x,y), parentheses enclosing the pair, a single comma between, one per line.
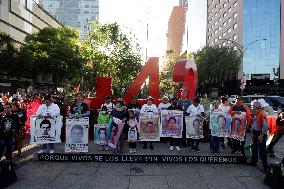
(34,175)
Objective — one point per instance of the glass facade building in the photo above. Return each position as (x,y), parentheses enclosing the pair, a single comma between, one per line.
(261,36)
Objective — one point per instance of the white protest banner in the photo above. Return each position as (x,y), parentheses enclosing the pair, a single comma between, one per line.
(45,130)
(132,134)
(238,127)
(100,133)
(77,135)
(194,128)
(220,124)
(171,123)
(149,128)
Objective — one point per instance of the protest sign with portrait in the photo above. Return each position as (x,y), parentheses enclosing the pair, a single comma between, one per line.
(194,128)
(149,128)
(77,135)
(100,131)
(132,134)
(238,127)
(171,123)
(45,130)
(116,130)
(220,124)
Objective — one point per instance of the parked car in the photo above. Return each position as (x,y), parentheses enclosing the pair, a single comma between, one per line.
(276,102)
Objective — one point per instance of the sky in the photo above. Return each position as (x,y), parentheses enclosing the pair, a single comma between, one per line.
(136,16)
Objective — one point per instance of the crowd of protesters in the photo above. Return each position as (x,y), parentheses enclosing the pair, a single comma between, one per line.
(13,120)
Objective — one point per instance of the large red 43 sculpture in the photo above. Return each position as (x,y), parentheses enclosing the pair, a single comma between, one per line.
(184,72)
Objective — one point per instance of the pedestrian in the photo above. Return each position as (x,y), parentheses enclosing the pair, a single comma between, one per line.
(214,140)
(79,108)
(47,110)
(195,110)
(20,135)
(240,109)
(9,126)
(103,118)
(184,102)
(150,109)
(225,107)
(164,104)
(132,125)
(259,130)
(175,141)
(108,104)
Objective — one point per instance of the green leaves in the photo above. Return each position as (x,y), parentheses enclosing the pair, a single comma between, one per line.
(215,64)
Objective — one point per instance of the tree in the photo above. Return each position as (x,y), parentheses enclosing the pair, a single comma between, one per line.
(8,55)
(217,65)
(113,54)
(167,86)
(56,51)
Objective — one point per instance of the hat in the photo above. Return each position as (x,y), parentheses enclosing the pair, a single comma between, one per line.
(150,98)
(256,104)
(263,103)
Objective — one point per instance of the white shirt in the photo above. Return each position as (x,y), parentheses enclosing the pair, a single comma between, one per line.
(163,106)
(53,110)
(108,106)
(225,109)
(194,111)
(146,109)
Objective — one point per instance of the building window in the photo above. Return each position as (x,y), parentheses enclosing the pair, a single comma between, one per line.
(209,29)
(235,15)
(212,42)
(215,23)
(220,28)
(224,34)
(87,6)
(49,6)
(225,23)
(229,1)
(216,14)
(215,40)
(235,37)
(220,10)
(219,19)
(235,48)
(220,1)
(229,30)
(86,12)
(215,31)
(216,6)
(212,2)
(230,9)
(229,20)
(235,26)
(212,10)
(224,14)
(209,37)
(224,5)
(224,43)
(220,37)
(235,4)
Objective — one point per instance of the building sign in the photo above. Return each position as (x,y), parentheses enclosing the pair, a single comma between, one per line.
(140,158)
(260,76)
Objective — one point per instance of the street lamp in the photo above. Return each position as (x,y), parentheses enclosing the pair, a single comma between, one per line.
(242,50)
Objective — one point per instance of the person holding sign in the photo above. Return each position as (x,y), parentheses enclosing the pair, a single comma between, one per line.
(172,121)
(239,109)
(46,110)
(195,109)
(79,108)
(215,140)
(150,109)
(103,118)
(132,125)
(259,130)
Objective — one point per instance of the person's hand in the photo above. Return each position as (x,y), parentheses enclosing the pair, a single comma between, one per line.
(260,138)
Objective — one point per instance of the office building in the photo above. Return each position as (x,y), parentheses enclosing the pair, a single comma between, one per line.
(253,28)
(74,13)
(18,18)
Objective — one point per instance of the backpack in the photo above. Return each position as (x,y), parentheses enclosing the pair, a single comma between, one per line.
(274,177)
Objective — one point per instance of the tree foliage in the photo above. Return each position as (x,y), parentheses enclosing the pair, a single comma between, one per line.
(167,86)
(56,51)
(216,64)
(114,55)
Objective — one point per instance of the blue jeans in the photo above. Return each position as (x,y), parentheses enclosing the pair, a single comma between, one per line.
(50,146)
(259,148)
(214,143)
